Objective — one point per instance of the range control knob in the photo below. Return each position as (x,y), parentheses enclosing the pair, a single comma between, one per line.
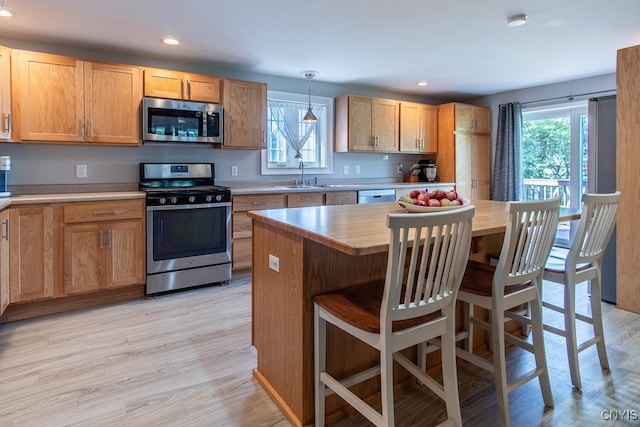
(218,198)
(192,199)
(209,198)
(174,200)
(162,200)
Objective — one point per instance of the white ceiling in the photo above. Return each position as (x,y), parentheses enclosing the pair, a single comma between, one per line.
(461,47)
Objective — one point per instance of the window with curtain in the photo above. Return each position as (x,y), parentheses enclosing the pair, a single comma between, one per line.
(290,140)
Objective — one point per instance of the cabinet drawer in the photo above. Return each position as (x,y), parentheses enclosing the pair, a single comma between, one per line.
(103,211)
(241,225)
(241,253)
(341,198)
(255,202)
(299,200)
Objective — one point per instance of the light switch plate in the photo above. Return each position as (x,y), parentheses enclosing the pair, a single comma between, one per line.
(274,263)
(345,169)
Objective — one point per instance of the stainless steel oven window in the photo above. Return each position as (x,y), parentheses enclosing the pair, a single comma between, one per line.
(188,236)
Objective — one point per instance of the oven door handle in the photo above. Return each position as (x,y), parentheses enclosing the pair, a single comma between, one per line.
(179,207)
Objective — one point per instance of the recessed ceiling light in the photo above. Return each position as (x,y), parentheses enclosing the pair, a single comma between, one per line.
(5,13)
(172,41)
(517,20)
(422,83)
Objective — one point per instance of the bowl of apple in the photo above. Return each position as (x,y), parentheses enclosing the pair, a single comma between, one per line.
(432,201)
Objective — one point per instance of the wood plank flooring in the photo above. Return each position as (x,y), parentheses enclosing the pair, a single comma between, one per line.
(185,359)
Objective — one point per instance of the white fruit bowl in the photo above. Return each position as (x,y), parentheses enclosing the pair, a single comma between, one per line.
(423,209)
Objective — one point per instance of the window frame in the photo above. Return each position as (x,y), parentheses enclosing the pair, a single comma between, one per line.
(328,131)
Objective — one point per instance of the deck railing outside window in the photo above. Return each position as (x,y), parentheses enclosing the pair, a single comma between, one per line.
(535,189)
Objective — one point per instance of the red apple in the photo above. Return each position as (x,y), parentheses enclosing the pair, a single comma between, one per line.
(419,202)
(423,196)
(433,202)
(414,194)
(439,194)
(452,195)
(460,201)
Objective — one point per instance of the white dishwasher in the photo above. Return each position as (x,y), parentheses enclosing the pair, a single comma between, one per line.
(375,196)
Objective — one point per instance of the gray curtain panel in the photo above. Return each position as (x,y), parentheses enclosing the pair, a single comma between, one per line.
(507,180)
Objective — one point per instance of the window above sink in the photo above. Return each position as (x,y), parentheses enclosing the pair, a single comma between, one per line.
(284,120)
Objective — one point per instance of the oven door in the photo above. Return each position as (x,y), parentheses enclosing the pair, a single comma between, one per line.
(188,236)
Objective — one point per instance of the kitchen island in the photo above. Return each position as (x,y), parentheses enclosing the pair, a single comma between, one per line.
(301,252)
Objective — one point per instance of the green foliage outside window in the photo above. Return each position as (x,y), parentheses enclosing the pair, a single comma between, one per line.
(546,148)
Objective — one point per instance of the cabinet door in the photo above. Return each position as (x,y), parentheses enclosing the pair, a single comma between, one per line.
(463,117)
(124,253)
(464,169)
(482,119)
(49,88)
(4,260)
(385,124)
(203,88)
(112,103)
(341,198)
(163,83)
(428,128)
(482,166)
(5,93)
(31,260)
(361,137)
(245,114)
(409,127)
(83,257)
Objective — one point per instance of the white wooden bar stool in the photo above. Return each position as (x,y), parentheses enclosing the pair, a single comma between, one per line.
(511,283)
(416,304)
(581,263)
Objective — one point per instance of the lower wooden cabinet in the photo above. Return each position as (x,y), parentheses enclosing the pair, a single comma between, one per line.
(4,260)
(32,241)
(241,245)
(103,245)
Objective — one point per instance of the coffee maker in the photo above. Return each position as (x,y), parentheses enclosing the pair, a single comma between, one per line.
(427,171)
(5,167)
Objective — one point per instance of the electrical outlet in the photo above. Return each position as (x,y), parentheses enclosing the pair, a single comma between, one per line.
(274,263)
(345,169)
(234,170)
(399,167)
(385,157)
(356,169)
(81,171)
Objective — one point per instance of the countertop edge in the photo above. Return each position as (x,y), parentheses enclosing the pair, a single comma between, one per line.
(275,189)
(70,197)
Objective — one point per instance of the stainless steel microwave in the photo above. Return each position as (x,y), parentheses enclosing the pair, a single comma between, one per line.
(176,121)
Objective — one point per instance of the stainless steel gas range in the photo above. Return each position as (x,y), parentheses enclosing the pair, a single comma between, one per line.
(188,226)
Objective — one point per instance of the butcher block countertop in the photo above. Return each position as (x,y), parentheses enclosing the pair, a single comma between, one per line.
(362,229)
(71,197)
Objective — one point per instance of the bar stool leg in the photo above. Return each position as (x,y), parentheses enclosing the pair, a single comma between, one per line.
(596,315)
(570,332)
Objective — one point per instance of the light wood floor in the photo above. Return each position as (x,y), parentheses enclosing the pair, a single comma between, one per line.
(185,360)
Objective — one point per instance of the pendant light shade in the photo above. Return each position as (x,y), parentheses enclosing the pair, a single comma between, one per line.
(309,117)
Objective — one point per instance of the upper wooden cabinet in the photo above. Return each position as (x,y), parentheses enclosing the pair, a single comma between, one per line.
(366,124)
(5,93)
(245,114)
(63,99)
(464,156)
(179,85)
(471,118)
(418,128)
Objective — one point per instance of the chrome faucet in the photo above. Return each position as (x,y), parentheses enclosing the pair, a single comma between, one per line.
(301,166)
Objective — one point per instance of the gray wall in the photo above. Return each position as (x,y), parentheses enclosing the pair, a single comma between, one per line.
(548,94)
(34,164)
(55,163)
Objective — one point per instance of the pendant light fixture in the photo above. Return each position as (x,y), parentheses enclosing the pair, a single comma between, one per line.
(310,117)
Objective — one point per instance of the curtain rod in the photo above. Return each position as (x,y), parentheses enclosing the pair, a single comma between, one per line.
(569,97)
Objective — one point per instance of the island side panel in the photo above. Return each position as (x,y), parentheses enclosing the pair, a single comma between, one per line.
(277,316)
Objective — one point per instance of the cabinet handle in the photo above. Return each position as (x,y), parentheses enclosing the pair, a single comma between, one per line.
(7,123)
(6,229)
(421,143)
(258,203)
(181,88)
(188,89)
(99,213)
(101,239)
(109,239)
